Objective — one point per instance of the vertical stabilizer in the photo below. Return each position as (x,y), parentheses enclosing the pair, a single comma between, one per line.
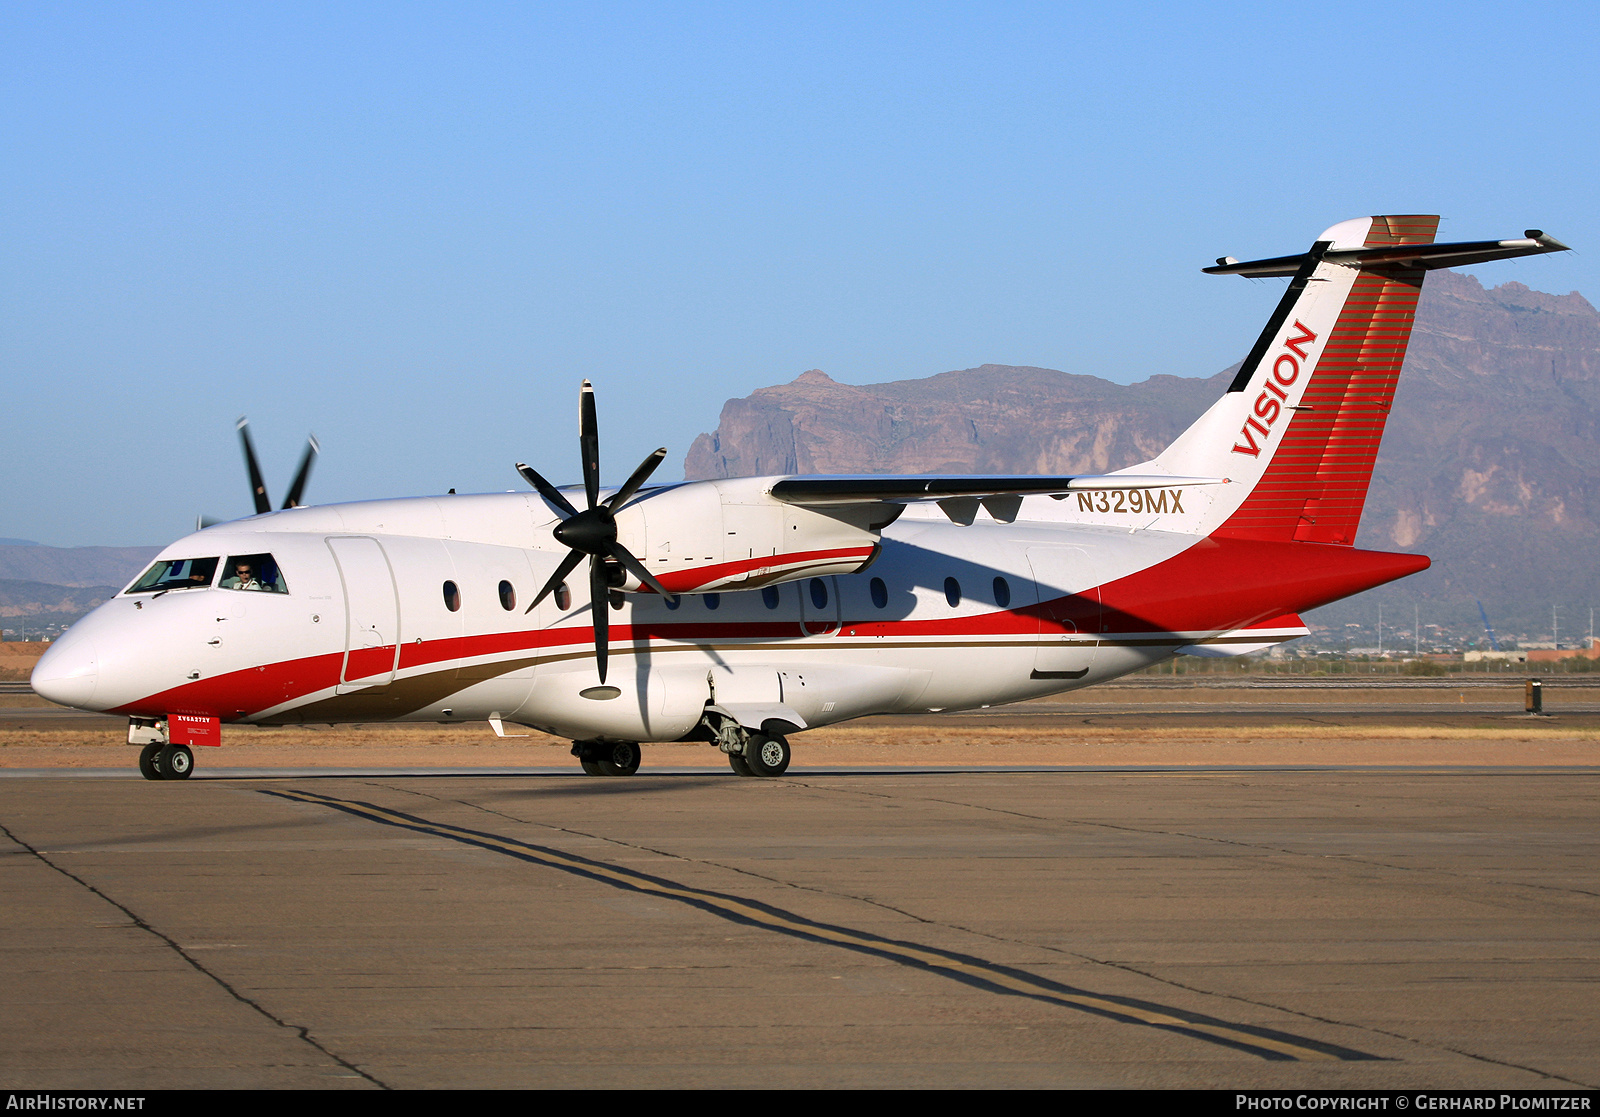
(1298,430)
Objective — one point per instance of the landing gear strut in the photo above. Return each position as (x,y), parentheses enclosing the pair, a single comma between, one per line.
(750,752)
(608,758)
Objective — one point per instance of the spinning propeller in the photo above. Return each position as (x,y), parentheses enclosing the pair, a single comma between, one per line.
(593,531)
(258,487)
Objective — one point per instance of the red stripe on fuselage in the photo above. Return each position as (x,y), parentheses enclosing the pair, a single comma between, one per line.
(1223,584)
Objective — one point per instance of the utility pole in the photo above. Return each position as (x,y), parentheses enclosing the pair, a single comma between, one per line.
(1555,628)
(1380,631)
(1416,632)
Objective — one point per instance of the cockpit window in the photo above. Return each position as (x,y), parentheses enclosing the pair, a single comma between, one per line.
(176,574)
(253,572)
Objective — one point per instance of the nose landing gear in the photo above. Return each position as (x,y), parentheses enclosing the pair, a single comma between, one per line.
(159,761)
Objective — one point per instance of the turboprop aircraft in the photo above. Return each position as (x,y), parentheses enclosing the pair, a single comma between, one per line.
(741,612)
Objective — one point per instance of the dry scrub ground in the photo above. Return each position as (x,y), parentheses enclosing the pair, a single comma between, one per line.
(1257,736)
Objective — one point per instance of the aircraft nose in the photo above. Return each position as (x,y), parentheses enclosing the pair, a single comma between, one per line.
(68,672)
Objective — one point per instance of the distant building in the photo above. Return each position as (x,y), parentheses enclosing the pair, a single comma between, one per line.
(1508,657)
(1551,655)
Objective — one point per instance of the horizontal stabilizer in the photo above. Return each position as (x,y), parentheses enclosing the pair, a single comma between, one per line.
(821,491)
(1428,257)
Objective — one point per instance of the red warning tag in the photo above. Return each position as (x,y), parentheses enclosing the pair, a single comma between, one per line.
(193,729)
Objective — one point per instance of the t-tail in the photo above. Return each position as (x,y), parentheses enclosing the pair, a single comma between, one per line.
(1298,430)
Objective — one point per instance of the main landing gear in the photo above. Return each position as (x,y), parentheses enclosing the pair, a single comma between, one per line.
(750,752)
(158,761)
(763,755)
(608,758)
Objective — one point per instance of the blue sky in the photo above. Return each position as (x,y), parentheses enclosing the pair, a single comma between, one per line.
(413,228)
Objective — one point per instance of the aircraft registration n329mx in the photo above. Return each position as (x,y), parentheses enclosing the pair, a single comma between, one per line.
(740,612)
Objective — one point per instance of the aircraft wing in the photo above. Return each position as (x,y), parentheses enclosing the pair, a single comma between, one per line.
(815,492)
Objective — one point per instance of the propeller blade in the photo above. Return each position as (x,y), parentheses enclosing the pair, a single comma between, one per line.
(258,487)
(589,443)
(546,489)
(599,605)
(573,559)
(636,568)
(298,488)
(640,476)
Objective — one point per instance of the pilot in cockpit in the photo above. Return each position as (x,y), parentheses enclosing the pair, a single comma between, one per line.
(243,578)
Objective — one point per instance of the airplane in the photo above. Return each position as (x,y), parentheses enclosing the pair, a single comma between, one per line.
(741,612)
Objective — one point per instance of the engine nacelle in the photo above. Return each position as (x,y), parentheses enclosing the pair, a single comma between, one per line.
(702,536)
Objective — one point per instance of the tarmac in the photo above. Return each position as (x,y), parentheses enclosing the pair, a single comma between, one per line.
(1229,928)
(1348,911)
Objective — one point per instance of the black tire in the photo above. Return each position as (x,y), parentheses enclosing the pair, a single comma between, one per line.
(150,761)
(591,767)
(621,759)
(176,762)
(767,756)
(740,768)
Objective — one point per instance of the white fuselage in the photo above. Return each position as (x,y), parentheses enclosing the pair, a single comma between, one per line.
(365,630)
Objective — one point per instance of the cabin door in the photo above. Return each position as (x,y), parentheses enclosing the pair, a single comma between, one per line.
(1069,613)
(371,613)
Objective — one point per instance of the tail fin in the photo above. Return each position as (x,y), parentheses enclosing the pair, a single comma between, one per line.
(1298,430)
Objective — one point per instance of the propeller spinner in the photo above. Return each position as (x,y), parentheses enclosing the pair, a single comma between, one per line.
(593,531)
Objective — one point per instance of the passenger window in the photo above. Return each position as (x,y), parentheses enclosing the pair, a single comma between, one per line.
(176,574)
(508,596)
(819,593)
(712,600)
(880,593)
(674,601)
(563,597)
(769,597)
(253,572)
(952,592)
(1002,593)
(452,597)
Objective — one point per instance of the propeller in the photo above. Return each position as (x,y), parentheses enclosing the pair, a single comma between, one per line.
(593,531)
(258,487)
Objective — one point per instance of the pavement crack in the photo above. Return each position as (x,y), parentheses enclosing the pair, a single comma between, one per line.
(138,921)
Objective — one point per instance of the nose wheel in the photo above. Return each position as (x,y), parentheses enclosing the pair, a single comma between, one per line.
(165,762)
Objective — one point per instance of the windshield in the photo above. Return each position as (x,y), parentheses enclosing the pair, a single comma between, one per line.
(253,572)
(176,574)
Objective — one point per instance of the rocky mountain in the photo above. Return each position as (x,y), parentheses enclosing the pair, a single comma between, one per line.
(1490,463)
(54,586)
(46,602)
(73,566)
